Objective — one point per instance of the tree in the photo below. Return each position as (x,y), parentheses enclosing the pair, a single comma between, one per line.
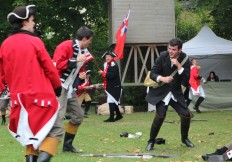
(58,20)
(222,14)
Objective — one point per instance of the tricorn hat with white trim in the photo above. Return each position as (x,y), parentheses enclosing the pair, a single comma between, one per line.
(111,53)
(21,13)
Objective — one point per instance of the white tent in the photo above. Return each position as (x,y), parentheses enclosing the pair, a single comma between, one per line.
(213,53)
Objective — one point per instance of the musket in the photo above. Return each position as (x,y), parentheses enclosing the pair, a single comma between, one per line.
(140,155)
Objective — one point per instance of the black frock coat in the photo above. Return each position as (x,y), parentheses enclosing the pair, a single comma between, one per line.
(163,67)
(113,82)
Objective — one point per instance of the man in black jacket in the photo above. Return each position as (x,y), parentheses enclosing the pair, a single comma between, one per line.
(170,93)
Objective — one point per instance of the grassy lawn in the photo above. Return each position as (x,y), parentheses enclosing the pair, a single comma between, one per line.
(96,137)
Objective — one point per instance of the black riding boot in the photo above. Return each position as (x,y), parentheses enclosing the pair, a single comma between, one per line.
(196,106)
(118,113)
(185,124)
(188,101)
(44,157)
(217,152)
(31,158)
(3,120)
(87,106)
(111,118)
(67,146)
(155,127)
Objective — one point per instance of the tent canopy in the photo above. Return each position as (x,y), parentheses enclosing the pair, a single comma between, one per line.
(206,42)
(213,53)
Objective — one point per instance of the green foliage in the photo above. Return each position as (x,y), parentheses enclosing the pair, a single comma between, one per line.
(135,96)
(96,137)
(58,20)
(222,13)
(191,16)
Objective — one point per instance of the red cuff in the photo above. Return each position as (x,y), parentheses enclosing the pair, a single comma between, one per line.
(81,87)
(103,74)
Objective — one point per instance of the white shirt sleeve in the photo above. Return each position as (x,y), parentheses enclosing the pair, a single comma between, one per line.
(158,79)
(180,71)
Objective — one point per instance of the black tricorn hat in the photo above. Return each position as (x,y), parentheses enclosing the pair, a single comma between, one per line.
(111,53)
(21,13)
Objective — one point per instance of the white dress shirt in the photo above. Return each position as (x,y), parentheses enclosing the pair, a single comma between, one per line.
(169,96)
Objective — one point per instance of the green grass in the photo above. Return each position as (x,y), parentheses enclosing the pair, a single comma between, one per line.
(95,136)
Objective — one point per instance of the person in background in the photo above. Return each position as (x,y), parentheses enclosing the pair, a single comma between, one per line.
(170,93)
(112,85)
(3,107)
(70,57)
(82,92)
(212,77)
(34,83)
(195,88)
(220,154)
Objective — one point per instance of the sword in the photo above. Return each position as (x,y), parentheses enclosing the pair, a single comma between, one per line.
(141,155)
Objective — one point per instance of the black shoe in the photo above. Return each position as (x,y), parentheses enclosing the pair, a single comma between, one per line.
(206,156)
(197,109)
(109,120)
(86,116)
(150,146)
(70,149)
(160,141)
(118,118)
(187,142)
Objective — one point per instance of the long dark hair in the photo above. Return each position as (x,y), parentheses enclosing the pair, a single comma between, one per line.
(214,75)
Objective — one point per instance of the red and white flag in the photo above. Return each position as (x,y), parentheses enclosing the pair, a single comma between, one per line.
(121,38)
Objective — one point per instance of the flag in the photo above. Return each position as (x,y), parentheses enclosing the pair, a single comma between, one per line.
(121,37)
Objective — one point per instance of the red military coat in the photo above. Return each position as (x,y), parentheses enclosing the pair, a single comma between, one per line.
(194,80)
(31,77)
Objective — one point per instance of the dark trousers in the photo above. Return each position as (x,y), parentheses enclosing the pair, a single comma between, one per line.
(161,110)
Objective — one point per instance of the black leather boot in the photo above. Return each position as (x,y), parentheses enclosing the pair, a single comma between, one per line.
(188,101)
(67,146)
(185,124)
(155,127)
(118,113)
(44,157)
(31,158)
(186,96)
(217,152)
(87,106)
(3,120)
(196,106)
(111,118)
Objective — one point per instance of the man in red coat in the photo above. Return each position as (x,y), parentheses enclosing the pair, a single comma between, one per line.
(33,82)
(70,57)
(195,88)
(83,92)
